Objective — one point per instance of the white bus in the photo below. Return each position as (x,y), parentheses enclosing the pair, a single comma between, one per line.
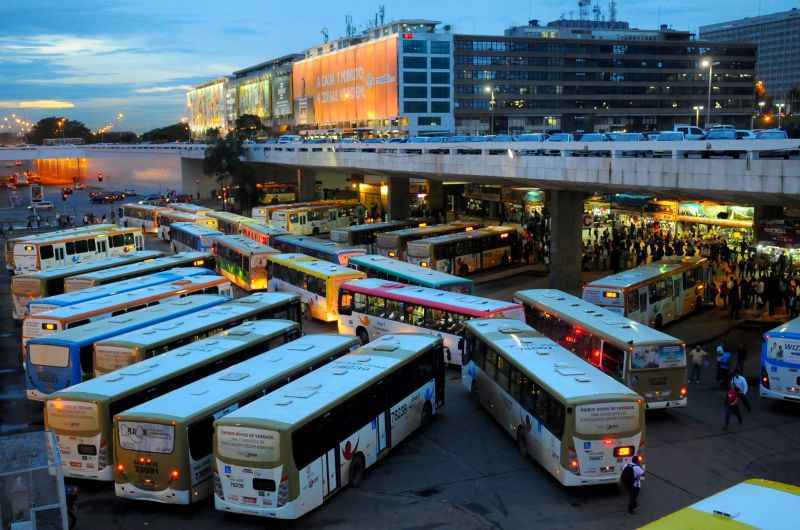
(163,447)
(144,216)
(365,235)
(166,219)
(654,294)
(372,307)
(185,237)
(312,220)
(81,416)
(288,452)
(780,362)
(579,424)
(11,243)
(230,223)
(190,208)
(467,252)
(650,362)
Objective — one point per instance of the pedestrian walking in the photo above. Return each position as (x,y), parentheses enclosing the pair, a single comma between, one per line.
(723,366)
(697,356)
(731,406)
(740,384)
(631,478)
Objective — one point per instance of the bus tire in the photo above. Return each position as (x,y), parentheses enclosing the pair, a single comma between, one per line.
(659,321)
(362,335)
(427,415)
(521,444)
(357,470)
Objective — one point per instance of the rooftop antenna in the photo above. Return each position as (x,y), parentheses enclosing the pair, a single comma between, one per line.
(325,36)
(597,12)
(612,10)
(583,9)
(382,13)
(350,29)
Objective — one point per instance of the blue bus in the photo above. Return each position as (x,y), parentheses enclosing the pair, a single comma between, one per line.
(191,236)
(101,291)
(323,249)
(57,361)
(780,362)
(394,270)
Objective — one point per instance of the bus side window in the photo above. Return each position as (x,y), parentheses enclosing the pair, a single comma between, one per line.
(643,301)
(528,395)
(345,303)
(360,304)
(633,302)
(490,366)
(46,251)
(516,384)
(502,372)
(70,246)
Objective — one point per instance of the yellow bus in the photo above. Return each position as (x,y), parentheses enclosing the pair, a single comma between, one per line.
(167,218)
(230,223)
(81,416)
(317,282)
(145,216)
(164,446)
(242,261)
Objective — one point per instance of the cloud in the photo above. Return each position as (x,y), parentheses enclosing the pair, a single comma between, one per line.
(162,89)
(36,104)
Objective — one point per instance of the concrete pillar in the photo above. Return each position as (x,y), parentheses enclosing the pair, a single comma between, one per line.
(435,198)
(398,198)
(566,220)
(306,185)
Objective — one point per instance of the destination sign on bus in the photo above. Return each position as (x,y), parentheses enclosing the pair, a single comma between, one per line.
(148,437)
(607,418)
(71,415)
(245,443)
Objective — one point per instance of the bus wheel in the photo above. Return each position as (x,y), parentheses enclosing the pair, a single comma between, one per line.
(357,470)
(521,444)
(659,321)
(427,415)
(363,336)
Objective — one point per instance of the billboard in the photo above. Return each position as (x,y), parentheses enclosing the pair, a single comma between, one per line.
(353,84)
(206,107)
(254,97)
(281,95)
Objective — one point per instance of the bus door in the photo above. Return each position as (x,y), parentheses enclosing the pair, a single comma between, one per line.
(643,303)
(330,471)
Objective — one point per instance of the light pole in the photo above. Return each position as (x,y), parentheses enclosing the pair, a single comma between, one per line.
(709,63)
(780,112)
(697,109)
(761,105)
(492,102)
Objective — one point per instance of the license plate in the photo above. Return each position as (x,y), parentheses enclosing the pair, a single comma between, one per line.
(607,469)
(75,464)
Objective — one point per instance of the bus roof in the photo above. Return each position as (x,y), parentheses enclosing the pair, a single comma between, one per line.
(157,262)
(429,231)
(97,305)
(195,229)
(64,232)
(203,395)
(787,329)
(314,266)
(96,266)
(244,245)
(595,318)
(59,236)
(304,398)
(643,273)
(540,358)
(371,227)
(754,503)
(110,289)
(158,333)
(109,327)
(465,304)
(315,243)
(143,206)
(265,229)
(189,207)
(459,236)
(229,216)
(144,373)
(409,270)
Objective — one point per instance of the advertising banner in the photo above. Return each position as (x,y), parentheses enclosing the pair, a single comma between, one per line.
(254,97)
(206,107)
(354,84)
(281,95)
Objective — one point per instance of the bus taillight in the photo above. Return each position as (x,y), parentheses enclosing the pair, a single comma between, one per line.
(174,474)
(764,378)
(574,464)
(684,391)
(121,470)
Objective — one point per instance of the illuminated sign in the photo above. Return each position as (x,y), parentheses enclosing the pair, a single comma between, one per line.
(254,97)
(281,95)
(206,107)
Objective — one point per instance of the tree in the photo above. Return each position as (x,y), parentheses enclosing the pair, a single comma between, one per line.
(171,133)
(248,126)
(223,160)
(117,137)
(58,127)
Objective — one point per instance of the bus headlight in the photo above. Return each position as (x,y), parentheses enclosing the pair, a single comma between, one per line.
(684,391)
(392,254)
(423,264)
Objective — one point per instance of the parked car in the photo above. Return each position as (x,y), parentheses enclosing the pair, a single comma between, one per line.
(289,138)
(721,134)
(669,136)
(561,137)
(594,137)
(690,132)
(397,140)
(744,134)
(502,138)
(375,141)
(772,134)
(531,137)
(627,137)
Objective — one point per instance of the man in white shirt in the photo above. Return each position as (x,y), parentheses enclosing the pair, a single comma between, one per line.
(635,483)
(740,384)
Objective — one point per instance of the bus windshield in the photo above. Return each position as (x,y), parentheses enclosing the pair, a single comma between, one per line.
(72,416)
(607,418)
(248,444)
(654,356)
(49,355)
(146,437)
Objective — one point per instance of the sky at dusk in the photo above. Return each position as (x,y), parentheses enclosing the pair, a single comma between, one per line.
(93,59)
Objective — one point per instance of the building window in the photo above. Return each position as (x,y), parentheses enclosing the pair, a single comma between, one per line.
(410,61)
(438,92)
(440,63)
(415,77)
(415,92)
(415,46)
(440,78)
(415,106)
(424,121)
(440,106)
(440,46)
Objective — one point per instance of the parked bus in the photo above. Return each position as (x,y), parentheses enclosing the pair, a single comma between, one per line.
(365,235)
(173,433)
(331,424)
(650,362)
(28,287)
(230,223)
(64,359)
(125,349)
(312,220)
(11,243)
(370,308)
(654,294)
(316,282)
(167,219)
(191,208)
(261,233)
(242,261)
(578,423)
(72,316)
(318,248)
(393,244)
(81,416)
(754,503)
(80,247)
(191,236)
(780,362)
(276,192)
(136,270)
(144,216)
(394,270)
(263,214)
(467,252)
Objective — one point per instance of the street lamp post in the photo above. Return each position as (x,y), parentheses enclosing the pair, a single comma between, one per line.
(492,102)
(780,107)
(709,63)
(697,109)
